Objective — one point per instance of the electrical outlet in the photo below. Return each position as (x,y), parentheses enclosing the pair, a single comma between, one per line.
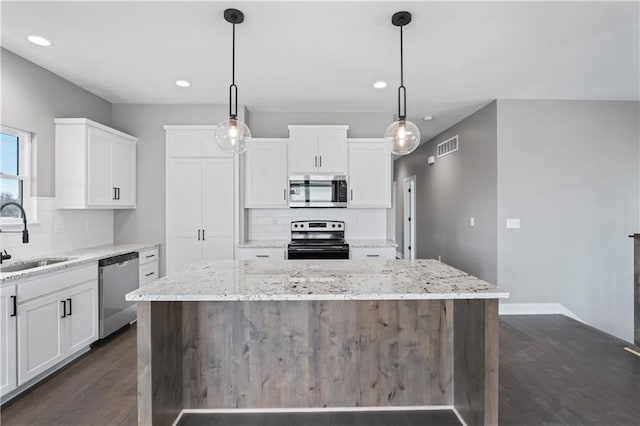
(439,258)
(513,223)
(472,221)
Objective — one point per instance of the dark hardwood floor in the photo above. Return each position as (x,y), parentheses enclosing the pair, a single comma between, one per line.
(553,371)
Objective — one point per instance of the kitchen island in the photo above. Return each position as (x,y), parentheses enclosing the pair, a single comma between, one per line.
(318,334)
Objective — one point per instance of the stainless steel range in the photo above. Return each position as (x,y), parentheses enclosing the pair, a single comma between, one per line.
(317,239)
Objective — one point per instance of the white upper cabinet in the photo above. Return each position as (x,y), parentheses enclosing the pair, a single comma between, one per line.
(266,181)
(369,173)
(193,143)
(318,150)
(95,166)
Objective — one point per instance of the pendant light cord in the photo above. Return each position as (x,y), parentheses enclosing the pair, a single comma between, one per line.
(233,89)
(402,91)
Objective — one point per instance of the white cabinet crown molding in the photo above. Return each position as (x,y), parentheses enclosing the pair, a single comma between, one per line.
(318,127)
(95,124)
(190,126)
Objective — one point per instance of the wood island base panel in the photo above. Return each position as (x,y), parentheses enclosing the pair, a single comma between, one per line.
(318,354)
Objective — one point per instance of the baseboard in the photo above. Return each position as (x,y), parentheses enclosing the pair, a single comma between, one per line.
(536,309)
(399,255)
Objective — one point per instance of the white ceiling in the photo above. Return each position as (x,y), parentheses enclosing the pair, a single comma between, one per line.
(324,56)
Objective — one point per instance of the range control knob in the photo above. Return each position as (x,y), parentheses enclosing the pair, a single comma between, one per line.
(333,226)
(295,225)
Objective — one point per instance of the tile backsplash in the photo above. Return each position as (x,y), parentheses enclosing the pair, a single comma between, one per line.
(275,224)
(58,231)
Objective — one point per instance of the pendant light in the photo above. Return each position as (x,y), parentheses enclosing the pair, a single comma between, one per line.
(232,134)
(402,136)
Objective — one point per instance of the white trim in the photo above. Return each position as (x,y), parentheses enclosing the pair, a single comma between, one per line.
(95,124)
(318,127)
(190,126)
(409,239)
(365,140)
(316,409)
(536,309)
(27,165)
(399,255)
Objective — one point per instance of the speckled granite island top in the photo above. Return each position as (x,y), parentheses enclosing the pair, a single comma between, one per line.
(317,280)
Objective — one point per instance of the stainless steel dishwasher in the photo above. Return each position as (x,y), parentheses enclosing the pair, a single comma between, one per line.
(118,276)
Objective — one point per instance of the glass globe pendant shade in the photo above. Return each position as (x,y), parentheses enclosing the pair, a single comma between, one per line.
(402,137)
(232,135)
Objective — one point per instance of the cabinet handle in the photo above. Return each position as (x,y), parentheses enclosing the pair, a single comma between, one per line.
(198,235)
(115,192)
(352,195)
(285,194)
(373,255)
(321,161)
(315,161)
(149,274)
(262,255)
(118,193)
(203,238)
(64,309)
(69,313)
(14,302)
(149,256)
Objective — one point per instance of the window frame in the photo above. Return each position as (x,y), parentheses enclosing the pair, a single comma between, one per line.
(25,167)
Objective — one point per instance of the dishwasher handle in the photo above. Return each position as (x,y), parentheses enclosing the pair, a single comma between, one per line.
(120,260)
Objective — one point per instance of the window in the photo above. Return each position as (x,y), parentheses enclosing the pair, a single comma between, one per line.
(15,165)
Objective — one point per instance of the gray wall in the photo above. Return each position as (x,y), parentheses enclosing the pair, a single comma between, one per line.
(32,97)
(147,222)
(569,171)
(448,193)
(361,124)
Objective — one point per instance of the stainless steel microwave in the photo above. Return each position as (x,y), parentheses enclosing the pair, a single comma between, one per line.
(318,191)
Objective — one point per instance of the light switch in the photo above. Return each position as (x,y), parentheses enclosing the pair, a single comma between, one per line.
(513,223)
(472,221)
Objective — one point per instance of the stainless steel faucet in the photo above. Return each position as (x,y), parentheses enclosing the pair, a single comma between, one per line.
(25,231)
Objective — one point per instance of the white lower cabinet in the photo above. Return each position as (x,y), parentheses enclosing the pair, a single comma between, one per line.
(149,266)
(385,253)
(57,316)
(8,343)
(250,253)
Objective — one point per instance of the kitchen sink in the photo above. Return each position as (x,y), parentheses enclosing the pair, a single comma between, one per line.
(31,264)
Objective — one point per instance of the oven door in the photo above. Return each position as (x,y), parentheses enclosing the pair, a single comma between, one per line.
(317,191)
(318,252)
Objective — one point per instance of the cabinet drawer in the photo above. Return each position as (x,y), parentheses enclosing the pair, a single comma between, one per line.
(372,253)
(55,281)
(149,272)
(260,253)
(150,255)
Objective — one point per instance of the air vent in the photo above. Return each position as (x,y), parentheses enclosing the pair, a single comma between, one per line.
(448,146)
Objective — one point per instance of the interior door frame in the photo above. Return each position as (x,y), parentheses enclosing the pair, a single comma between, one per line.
(409,217)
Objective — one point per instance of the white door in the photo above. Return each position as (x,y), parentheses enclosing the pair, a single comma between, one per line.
(217,208)
(124,171)
(267,180)
(369,175)
(184,213)
(100,191)
(304,152)
(8,342)
(332,151)
(82,319)
(409,220)
(40,335)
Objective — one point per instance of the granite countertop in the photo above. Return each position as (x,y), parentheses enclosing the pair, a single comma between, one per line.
(76,257)
(228,280)
(264,244)
(372,243)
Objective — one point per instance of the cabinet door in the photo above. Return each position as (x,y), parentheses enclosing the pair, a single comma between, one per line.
(369,175)
(8,341)
(82,316)
(184,213)
(332,151)
(210,147)
(304,152)
(217,208)
(100,188)
(124,171)
(373,253)
(40,335)
(266,177)
(184,143)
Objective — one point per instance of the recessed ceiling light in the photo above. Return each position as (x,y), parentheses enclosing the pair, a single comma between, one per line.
(380,84)
(40,41)
(183,83)
(428,118)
